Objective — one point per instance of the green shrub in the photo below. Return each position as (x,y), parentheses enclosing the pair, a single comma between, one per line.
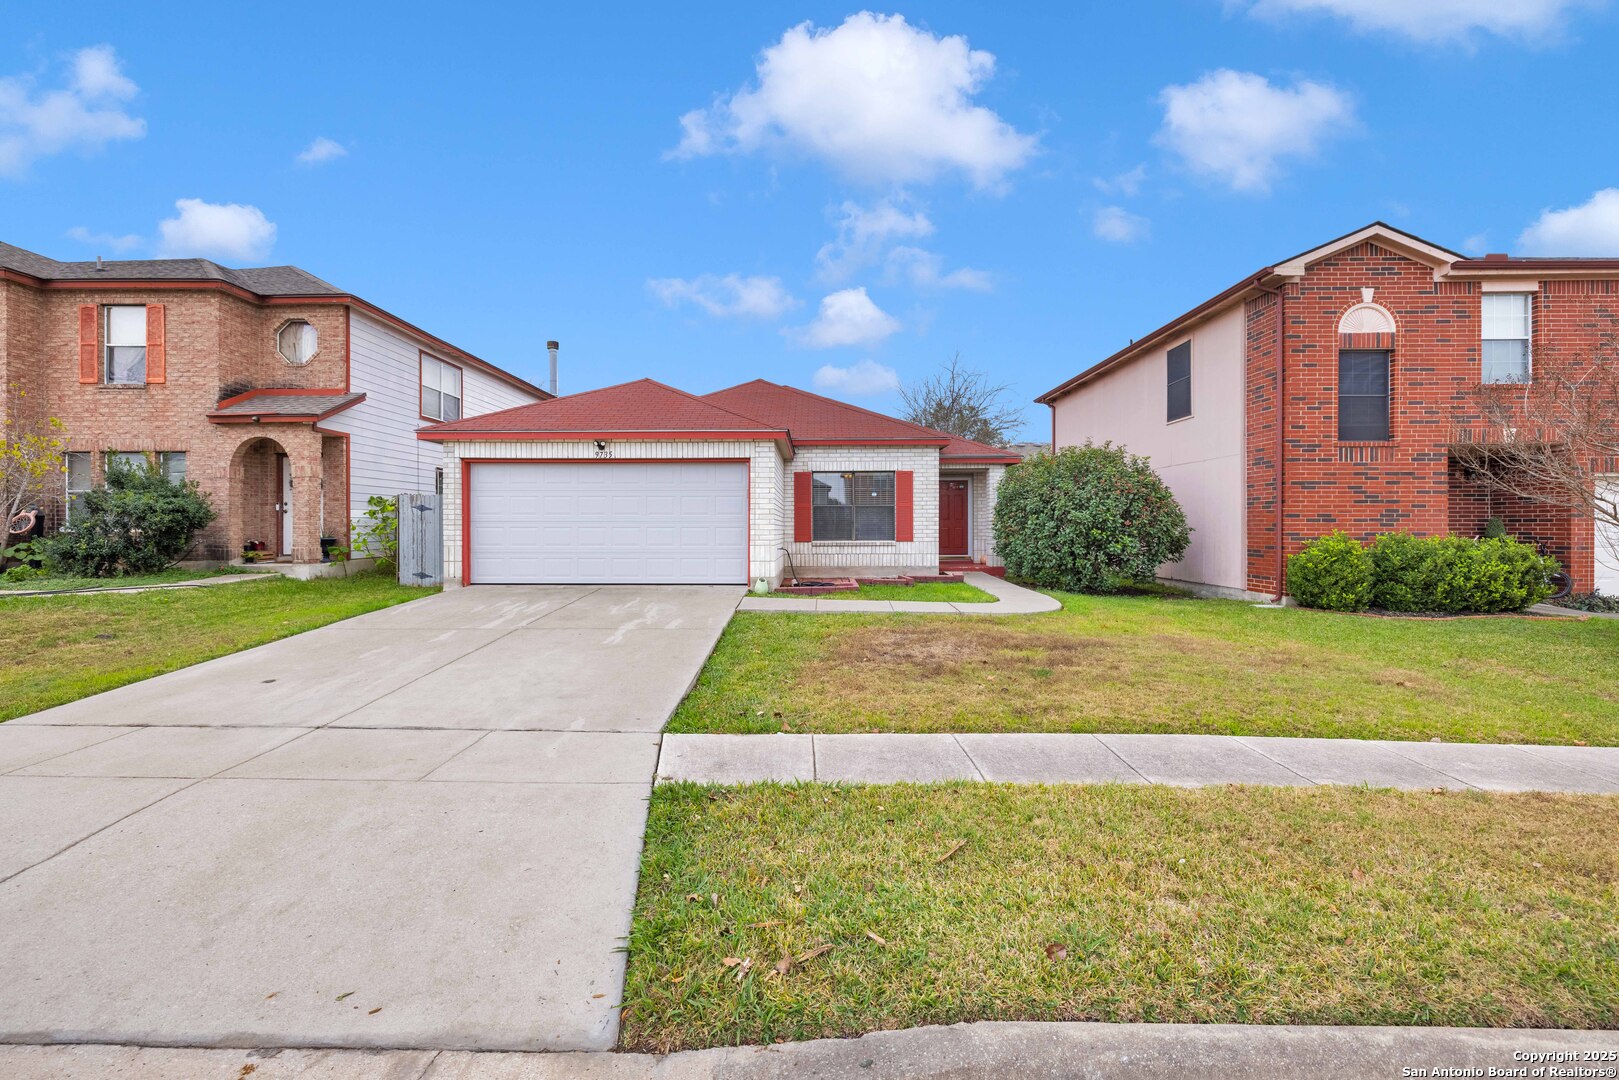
(1087,519)
(1437,574)
(1590,602)
(1495,529)
(1333,572)
(138,522)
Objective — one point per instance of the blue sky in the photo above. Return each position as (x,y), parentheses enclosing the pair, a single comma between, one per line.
(851,197)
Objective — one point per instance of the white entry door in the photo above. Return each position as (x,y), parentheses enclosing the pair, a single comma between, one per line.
(607,522)
(1607,537)
(284,507)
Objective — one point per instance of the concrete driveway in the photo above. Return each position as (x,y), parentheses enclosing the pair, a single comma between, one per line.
(415,828)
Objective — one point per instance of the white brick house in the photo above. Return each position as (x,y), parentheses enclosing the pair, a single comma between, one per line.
(643,483)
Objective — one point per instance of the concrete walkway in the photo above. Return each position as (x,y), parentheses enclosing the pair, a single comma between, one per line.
(1184,760)
(1009,599)
(416,828)
(984,1051)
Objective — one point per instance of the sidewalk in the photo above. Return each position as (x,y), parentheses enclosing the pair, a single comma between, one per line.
(960,1052)
(1010,599)
(1182,760)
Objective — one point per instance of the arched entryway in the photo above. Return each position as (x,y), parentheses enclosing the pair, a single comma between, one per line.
(263,498)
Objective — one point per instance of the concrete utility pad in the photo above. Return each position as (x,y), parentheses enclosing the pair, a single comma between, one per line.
(321,913)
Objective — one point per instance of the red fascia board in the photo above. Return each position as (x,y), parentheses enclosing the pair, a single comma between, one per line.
(871,442)
(979,460)
(1473,266)
(1140,345)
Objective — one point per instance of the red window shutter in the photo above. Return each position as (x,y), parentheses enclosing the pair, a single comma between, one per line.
(904,507)
(803,508)
(156,348)
(89,340)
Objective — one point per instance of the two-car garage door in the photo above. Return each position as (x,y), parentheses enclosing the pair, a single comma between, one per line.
(608,522)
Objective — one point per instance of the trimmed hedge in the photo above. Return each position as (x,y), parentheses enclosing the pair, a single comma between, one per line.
(1087,519)
(1447,575)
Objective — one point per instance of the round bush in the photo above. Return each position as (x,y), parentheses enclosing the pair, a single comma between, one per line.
(138,522)
(1333,572)
(1406,572)
(1087,519)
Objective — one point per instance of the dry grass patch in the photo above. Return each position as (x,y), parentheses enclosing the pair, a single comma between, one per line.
(771,912)
(1147,664)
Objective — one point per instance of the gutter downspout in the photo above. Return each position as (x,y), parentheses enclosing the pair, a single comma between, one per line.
(1280,292)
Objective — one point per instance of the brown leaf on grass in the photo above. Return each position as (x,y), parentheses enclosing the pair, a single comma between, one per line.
(784,965)
(714,898)
(804,958)
(767,922)
(696,898)
(374,1011)
(1357,873)
(731,961)
(875,938)
(1054,951)
(957,846)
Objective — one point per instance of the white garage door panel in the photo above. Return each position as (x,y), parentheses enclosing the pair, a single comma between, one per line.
(1607,553)
(609,522)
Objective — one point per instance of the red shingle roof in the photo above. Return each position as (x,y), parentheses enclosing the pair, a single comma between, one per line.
(766,409)
(640,406)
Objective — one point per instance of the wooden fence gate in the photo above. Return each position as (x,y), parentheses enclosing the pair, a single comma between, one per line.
(421,539)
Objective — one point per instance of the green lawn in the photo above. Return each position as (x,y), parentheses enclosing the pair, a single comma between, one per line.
(1160,664)
(952,592)
(61,648)
(773,913)
(163,577)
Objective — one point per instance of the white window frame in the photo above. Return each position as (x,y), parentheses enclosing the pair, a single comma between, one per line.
(1527,336)
(108,344)
(70,493)
(854,516)
(433,373)
(166,462)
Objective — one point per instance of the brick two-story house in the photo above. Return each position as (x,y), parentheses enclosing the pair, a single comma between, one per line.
(288,400)
(1368,420)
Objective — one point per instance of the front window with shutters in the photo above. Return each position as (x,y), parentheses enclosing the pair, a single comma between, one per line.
(124,333)
(441,390)
(1506,338)
(853,505)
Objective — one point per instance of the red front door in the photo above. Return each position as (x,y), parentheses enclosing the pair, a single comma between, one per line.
(953,514)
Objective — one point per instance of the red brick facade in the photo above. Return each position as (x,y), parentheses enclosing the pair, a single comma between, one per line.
(1409,482)
(217,344)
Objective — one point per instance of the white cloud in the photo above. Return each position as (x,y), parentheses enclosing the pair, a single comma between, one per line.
(858,380)
(216,230)
(880,100)
(847,317)
(1477,244)
(1592,228)
(106,241)
(925,270)
(1127,184)
(1117,225)
(730,295)
(85,116)
(1236,127)
(322,149)
(1433,21)
(863,233)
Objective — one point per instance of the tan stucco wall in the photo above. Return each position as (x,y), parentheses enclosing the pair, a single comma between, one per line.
(1200,457)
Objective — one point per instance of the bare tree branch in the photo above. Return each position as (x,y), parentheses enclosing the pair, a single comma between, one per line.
(962,402)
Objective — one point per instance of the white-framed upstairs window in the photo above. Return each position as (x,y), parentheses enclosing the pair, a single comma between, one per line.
(441,389)
(1508,327)
(77,471)
(124,335)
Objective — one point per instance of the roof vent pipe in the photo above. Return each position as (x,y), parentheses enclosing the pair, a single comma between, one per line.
(99,265)
(551,347)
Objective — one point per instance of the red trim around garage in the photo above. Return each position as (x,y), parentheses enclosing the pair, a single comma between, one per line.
(466,496)
(473,435)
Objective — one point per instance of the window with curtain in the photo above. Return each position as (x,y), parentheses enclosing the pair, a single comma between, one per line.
(1180,381)
(853,505)
(441,389)
(1363,395)
(125,335)
(76,466)
(297,342)
(1507,325)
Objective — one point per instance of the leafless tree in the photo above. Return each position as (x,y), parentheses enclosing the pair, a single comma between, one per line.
(1555,438)
(962,402)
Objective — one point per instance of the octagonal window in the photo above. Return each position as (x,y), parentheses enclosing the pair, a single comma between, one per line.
(297,342)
